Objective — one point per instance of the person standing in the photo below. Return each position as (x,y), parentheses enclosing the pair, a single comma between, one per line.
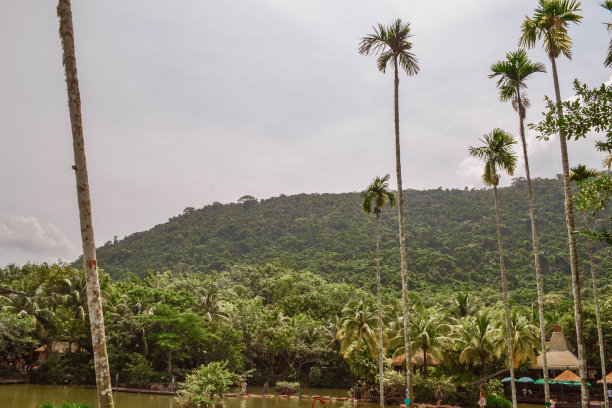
(482,401)
(243,388)
(438,396)
(265,390)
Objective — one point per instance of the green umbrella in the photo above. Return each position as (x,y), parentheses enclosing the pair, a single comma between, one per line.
(541,381)
(525,380)
(507,379)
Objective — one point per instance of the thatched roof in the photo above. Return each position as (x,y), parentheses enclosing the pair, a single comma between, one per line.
(416,360)
(558,355)
(608,378)
(567,375)
(62,347)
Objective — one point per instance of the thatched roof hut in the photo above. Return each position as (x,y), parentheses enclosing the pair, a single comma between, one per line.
(558,355)
(608,378)
(416,360)
(568,376)
(61,347)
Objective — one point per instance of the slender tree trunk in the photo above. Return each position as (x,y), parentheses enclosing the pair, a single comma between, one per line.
(571,233)
(602,354)
(502,268)
(402,238)
(380,319)
(94,299)
(536,251)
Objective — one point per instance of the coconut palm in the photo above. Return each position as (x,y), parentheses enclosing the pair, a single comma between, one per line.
(497,154)
(477,340)
(579,175)
(357,328)
(608,61)
(94,298)
(524,342)
(375,197)
(463,306)
(549,24)
(429,336)
(209,302)
(512,74)
(392,46)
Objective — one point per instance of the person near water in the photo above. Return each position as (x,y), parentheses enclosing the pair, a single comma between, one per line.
(265,390)
(438,396)
(552,403)
(482,401)
(243,388)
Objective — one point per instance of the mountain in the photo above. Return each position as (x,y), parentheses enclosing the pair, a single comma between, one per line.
(450,237)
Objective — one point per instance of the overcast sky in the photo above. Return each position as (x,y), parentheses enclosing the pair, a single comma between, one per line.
(193,101)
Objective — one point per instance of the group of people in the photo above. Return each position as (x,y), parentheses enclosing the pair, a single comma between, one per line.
(243,388)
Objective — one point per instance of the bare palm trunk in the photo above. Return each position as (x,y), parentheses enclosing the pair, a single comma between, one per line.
(380,320)
(602,354)
(571,228)
(94,300)
(402,239)
(502,268)
(536,251)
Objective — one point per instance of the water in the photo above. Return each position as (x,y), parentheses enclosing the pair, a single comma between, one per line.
(31,395)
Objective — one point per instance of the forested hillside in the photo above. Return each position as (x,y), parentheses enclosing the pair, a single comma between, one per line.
(451,239)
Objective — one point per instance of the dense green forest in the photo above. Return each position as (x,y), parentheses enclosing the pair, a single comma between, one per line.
(450,239)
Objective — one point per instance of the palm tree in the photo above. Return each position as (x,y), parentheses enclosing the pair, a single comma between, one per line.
(463,305)
(512,73)
(428,334)
(579,175)
(607,4)
(524,343)
(94,298)
(375,197)
(357,328)
(209,302)
(549,23)
(391,45)
(477,339)
(497,154)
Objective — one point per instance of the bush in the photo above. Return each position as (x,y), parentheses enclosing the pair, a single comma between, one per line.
(69,368)
(495,395)
(289,384)
(206,383)
(425,389)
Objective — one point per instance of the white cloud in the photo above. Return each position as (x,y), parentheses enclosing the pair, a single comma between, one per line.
(24,238)
(470,172)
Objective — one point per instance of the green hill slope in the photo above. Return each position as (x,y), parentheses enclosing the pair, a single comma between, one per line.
(451,239)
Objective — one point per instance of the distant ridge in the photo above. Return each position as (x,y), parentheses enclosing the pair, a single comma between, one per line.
(450,239)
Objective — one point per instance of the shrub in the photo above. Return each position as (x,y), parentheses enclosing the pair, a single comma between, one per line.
(425,389)
(206,383)
(289,384)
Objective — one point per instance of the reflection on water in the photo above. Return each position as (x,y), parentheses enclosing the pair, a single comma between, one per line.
(31,395)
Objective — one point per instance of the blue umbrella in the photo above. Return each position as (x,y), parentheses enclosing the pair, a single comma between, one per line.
(525,380)
(507,379)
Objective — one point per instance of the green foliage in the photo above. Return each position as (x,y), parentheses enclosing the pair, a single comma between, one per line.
(425,389)
(205,384)
(65,404)
(290,384)
(69,368)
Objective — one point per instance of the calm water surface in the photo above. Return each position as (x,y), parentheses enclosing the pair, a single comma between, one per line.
(31,395)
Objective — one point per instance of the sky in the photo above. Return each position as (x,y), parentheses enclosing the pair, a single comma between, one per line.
(190,102)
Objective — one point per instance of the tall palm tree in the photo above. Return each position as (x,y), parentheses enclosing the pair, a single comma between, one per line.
(497,153)
(512,74)
(390,43)
(477,340)
(549,23)
(579,175)
(607,4)
(375,197)
(94,298)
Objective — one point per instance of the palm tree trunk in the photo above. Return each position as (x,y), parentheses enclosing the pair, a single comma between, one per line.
(602,354)
(536,251)
(380,320)
(402,238)
(502,268)
(94,300)
(571,228)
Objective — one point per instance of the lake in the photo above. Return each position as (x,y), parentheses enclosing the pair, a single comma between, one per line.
(30,395)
